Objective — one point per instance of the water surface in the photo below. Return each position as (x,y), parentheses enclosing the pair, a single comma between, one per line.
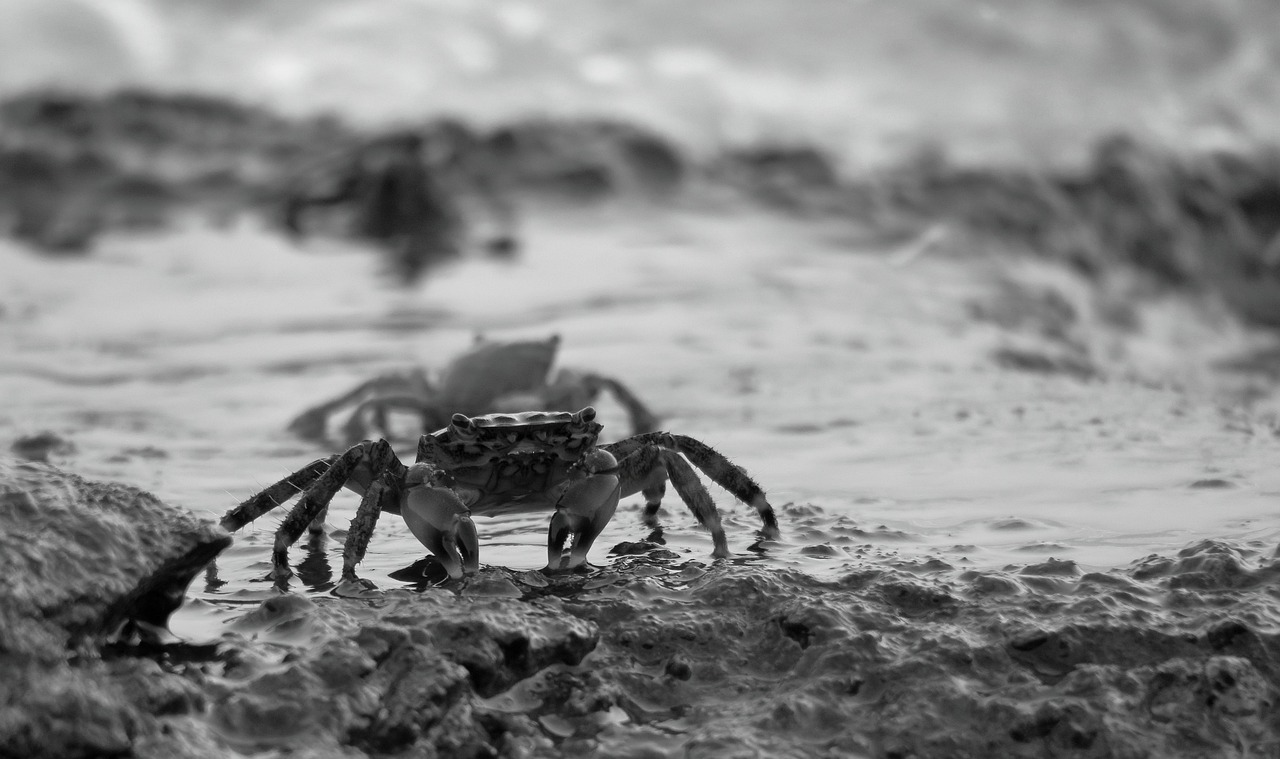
(859,390)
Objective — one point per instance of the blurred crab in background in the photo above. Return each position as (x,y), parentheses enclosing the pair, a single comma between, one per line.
(490,377)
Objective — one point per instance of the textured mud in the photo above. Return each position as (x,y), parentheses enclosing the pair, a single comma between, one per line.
(1171,656)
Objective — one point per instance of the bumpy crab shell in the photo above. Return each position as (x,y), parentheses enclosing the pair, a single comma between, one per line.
(480,440)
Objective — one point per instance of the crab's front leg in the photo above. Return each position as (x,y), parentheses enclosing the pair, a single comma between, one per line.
(358,468)
(583,509)
(438,517)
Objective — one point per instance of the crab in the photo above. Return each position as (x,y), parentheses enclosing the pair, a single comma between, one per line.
(497,464)
(490,377)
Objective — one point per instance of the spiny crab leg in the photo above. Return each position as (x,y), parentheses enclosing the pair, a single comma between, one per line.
(359,468)
(583,510)
(276,494)
(439,519)
(729,476)
(382,495)
(647,460)
(356,468)
(651,466)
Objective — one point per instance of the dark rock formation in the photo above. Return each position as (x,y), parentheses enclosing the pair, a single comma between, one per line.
(1208,221)
(41,446)
(586,159)
(411,675)
(82,558)
(83,562)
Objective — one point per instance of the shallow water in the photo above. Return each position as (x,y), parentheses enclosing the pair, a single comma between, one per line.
(853,381)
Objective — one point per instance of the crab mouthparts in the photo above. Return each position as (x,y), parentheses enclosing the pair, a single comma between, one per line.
(524,446)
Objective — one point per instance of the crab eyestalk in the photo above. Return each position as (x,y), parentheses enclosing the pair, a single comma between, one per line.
(439,519)
(583,510)
(462,427)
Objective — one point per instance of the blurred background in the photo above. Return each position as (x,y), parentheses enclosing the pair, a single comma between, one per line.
(868,80)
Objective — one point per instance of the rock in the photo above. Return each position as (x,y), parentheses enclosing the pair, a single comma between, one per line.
(82,558)
(588,159)
(410,679)
(41,446)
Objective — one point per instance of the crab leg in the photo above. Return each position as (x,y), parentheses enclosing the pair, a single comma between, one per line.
(362,464)
(721,470)
(647,467)
(653,495)
(275,495)
(731,477)
(583,510)
(382,495)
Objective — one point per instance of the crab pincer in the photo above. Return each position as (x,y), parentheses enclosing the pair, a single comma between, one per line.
(583,509)
(440,520)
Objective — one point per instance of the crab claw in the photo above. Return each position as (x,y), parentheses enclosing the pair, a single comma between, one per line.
(584,509)
(439,519)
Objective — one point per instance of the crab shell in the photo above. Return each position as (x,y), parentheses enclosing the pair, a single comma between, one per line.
(479,441)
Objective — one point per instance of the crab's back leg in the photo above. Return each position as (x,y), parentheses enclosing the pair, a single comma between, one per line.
(731,477)
(374,458)
(274,495)
(383,495)
(646,468)
(720,469)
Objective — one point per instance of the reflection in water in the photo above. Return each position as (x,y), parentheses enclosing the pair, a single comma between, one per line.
(211,579)
(314,571)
